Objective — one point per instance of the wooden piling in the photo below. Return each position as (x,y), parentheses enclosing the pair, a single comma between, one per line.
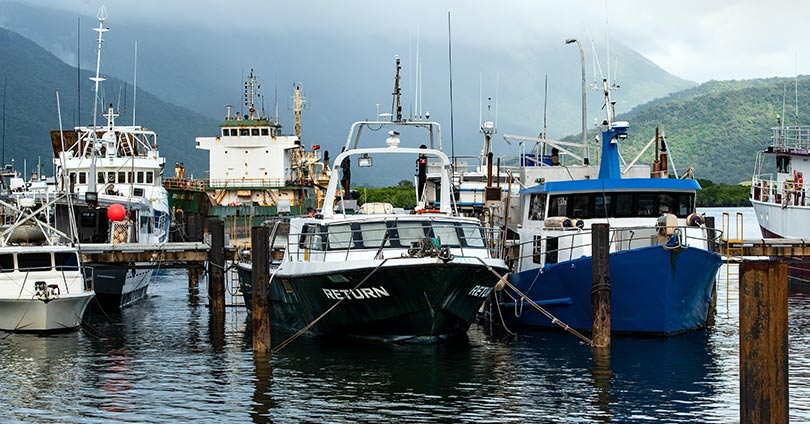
(763,342)
(260,312)
(216,268)
(600,284)
(193,278)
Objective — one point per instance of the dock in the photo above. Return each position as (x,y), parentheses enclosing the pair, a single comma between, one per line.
(165,255)
(776,247)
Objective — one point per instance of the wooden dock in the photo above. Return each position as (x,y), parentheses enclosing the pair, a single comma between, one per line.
(166,255)
(772,247)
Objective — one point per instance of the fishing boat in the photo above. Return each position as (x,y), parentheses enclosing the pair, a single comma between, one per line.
(113,174)
(43,287)
(662,272)
(255,173)
(368,272)
(778,193)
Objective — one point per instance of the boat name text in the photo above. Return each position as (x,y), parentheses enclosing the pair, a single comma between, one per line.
(480,291)
(359,294)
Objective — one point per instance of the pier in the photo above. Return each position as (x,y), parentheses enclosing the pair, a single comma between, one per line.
(166,255)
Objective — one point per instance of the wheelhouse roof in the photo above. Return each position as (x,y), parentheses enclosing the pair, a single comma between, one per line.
(612,184)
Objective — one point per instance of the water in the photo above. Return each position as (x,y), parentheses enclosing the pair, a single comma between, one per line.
(160,361)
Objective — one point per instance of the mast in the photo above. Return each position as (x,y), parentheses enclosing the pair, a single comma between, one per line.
(397,93)
(299,104)
(251,92)
(102,15)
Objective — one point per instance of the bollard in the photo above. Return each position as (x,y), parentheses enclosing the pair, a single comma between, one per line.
(763,342)
(600,284)
(260,304)
(216,268)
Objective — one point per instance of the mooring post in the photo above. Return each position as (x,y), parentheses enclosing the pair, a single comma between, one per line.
(216,268)
(600,284)
(712,245)
(763,342)
(260,312)
(193,277)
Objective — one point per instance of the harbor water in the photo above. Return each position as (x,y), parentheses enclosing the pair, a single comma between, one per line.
(161,361)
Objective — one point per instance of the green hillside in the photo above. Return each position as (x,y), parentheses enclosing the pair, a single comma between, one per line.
(718,127)
(32,75)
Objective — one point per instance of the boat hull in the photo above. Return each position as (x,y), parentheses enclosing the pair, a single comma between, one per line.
(654,290)
(120,286)
(777,222)
(63,313)
(419,303)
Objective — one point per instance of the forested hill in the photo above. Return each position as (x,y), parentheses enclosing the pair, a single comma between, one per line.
(29,78)
(718,127)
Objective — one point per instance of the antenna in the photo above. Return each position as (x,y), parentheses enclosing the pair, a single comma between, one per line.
(3,142)
(135,84)
(299,103)
(797,88)
(450,62)
(480,96)
(497,95)
(418,85)
(78,72)
(396,104)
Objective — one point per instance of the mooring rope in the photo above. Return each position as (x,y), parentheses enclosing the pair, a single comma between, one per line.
(554,320)
(315,321)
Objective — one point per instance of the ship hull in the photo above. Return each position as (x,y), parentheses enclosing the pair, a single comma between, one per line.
(778,222)
(653,290)
(63,313)
(422,303)
(120,286)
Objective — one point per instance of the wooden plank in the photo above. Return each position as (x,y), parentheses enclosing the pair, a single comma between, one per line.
(763,342)
(260,308)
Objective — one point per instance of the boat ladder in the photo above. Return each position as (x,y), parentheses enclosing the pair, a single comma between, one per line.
(734,252)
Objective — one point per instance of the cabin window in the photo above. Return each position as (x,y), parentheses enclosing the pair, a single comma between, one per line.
(150,178)
(66,261)
(340,236)
(254,131)
(646,204)
(265,131)
(82,178)
(87,219)
(244,131)
(410,232)
(233,132)
(373,234)
(7,262)
(122,177)
(446,233)
(311,238)
(111,177)
(34,261)
(667,203)
(552,250)
(537,208)
(685,205)
(601,206)
(130,177)
(624,205)
(139,177)
(225,132)
(580,206)
(558,206)
(100,177)
(473,235)
(146,225)
(72,177)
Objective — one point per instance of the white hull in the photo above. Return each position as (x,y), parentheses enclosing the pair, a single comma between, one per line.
(787,222)
(60,314)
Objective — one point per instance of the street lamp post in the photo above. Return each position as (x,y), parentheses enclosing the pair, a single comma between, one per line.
(587,158)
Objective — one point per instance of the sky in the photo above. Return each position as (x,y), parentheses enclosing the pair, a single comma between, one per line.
(694,39)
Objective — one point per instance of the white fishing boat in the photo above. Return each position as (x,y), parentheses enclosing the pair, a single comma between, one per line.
(114,174)
(778,193)
(43,287)
(376,274)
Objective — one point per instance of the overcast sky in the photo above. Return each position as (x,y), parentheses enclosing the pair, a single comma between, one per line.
(694,39)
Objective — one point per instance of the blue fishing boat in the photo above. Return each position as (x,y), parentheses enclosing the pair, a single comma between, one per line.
(662,271)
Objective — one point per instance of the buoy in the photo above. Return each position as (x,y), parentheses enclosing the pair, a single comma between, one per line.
(116,212)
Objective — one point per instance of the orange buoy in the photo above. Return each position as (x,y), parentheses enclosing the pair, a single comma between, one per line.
(116,212)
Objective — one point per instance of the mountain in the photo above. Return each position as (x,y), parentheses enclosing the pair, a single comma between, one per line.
(346,75)
(718,127)
(30,77)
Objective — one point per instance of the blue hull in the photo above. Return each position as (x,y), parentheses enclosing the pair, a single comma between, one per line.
(653,290)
